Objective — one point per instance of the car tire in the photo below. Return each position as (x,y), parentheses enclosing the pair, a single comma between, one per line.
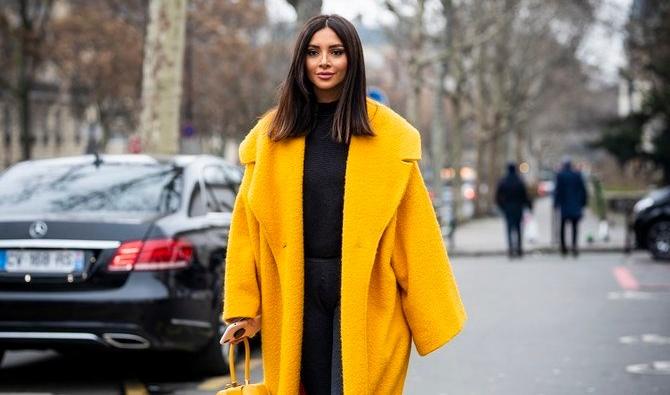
(658,240)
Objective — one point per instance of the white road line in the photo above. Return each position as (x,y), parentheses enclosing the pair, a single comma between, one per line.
(648,338)
(655,368)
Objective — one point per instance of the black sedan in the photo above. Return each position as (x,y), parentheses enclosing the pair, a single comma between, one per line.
(651,223)
(121,252)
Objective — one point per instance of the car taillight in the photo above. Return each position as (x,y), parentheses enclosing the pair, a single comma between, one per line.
(157,254)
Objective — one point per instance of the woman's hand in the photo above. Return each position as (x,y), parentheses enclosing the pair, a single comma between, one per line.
(241,328)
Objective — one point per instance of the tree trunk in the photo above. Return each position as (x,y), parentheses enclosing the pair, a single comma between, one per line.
(492,173)
(456,157)
(479,169)
(415,68)
(162,76)
(438,132)
(24,87)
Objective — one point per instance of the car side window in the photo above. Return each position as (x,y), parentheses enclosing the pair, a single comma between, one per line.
(224,196)
(197,205)
(220,189)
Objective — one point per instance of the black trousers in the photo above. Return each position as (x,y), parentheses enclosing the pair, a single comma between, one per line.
(575,232)
(321,365)
(514,235)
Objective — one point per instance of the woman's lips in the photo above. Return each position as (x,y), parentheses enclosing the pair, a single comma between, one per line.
(325,76)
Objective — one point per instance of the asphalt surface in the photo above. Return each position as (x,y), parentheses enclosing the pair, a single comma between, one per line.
(596,324)
(549,325)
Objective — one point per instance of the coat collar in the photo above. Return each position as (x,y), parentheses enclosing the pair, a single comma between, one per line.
(377,171)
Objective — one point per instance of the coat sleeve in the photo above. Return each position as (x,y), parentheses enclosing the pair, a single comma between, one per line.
(241,288)
(429,294)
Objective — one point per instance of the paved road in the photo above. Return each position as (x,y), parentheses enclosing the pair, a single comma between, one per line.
(49,373)
(546,325)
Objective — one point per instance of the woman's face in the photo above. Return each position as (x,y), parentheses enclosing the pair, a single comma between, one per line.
(326,64)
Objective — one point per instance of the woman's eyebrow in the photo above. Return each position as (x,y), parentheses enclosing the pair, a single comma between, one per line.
(330,46)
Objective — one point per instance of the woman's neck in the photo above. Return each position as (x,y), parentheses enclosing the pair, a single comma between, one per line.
(328,96)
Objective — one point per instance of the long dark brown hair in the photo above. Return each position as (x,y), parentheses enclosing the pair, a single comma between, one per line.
(296,110)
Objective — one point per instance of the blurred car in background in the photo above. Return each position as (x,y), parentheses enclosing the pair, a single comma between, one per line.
(121,252)
(651,223)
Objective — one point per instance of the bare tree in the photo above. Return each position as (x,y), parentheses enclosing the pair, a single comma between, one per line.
(23,24)
(410,38)
(498,57)
(98,52)
(238,59)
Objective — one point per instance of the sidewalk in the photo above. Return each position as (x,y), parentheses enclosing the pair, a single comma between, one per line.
(487,236)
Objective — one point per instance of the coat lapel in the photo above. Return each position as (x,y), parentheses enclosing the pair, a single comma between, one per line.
(375,180)
(275,197)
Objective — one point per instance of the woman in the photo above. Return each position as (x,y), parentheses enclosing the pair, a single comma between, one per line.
(343,273)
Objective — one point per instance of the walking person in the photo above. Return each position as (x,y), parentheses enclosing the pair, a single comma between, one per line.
(570,198)
(512,198)
(334,242)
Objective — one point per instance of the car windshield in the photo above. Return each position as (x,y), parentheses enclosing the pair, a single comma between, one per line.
(43,187)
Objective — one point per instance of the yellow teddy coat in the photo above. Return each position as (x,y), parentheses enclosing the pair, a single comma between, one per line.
(397,282)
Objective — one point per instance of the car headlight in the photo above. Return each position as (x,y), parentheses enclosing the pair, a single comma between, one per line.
(643,205)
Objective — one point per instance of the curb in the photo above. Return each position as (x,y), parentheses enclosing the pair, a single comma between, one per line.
(538,250)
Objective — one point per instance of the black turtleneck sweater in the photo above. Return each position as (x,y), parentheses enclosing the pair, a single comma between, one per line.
(323,187)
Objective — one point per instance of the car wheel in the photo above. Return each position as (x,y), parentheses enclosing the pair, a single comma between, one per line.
(658,240)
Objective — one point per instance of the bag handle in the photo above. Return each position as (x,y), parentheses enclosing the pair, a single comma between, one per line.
(247,363)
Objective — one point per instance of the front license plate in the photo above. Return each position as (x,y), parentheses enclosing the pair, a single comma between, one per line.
(41,261)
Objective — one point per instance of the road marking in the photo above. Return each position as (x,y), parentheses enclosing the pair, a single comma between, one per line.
(134,387)
(630,295)
(625,278)
(650,338)
(656,367)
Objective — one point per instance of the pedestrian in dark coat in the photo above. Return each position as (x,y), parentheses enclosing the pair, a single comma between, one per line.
(512,198)
(570,197)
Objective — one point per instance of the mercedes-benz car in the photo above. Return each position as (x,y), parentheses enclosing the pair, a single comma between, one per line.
(119,252)
(651,223)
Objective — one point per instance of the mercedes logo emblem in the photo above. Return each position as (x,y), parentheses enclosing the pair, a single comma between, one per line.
(37,229)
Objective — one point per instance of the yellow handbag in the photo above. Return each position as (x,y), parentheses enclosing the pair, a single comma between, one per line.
(245,389)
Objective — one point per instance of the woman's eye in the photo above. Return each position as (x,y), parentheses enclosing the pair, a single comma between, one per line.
(338,52)
(311,52)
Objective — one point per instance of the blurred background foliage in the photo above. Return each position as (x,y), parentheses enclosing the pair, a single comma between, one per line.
(484,81)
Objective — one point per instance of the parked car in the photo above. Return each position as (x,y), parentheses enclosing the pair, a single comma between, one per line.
(651,223)
(120,252)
